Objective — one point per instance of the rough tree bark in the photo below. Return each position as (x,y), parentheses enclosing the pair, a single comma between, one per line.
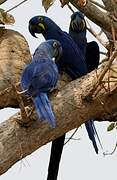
(70,109)
(69,105)
(14,55)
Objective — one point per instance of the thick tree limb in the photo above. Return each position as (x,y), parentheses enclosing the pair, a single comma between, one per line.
(108,5)
(70,109)
(2,1)
(14,55)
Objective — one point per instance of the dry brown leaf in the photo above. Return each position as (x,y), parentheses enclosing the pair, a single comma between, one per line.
(6,18)
(47,4)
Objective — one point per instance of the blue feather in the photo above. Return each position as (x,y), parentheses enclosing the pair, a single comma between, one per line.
(91,134)
(91,52)
(43,108)
(73,62)
(39,76)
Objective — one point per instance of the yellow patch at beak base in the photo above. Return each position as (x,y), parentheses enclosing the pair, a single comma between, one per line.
(83,22)
(42,26)
(72,24)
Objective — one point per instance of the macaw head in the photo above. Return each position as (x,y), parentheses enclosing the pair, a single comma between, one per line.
(41,24)
(49,48)
(78,22)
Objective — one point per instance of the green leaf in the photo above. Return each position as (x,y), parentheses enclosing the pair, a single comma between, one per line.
(111,127)
(47,4)
(6,18)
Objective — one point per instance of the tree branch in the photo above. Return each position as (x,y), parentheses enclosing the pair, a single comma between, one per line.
(108,5)
(70,110)
(2,1)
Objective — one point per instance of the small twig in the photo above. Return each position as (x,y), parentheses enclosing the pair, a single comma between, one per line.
(31,112)
(114,35)
(97,91)
(101,76)
(114,77)
(71,136)
(74,139)
(109,81)
(111,153)
(22,92)
(100,33)
(24,116)
(16,6)
(103,53)
(113,70)
(97,4)
(102,85)
(104,60)
(96,35)
(70,8)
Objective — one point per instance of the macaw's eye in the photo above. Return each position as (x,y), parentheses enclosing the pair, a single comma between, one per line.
(40,18)
(54,44)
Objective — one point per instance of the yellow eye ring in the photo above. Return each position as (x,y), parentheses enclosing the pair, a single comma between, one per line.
(40,18)
(54,44)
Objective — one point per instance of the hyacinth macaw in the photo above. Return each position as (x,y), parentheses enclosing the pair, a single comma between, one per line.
(40,75)
(77,31)
(72,62)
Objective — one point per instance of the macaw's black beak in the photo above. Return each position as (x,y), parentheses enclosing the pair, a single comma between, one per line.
(77,23)
(34,28)
(58,55)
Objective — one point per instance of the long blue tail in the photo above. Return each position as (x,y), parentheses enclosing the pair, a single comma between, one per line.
(43,108)
(92,133)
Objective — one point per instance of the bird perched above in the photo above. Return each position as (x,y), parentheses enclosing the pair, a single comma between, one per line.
(50,30)
(72,62)
(40,75)
(77,31)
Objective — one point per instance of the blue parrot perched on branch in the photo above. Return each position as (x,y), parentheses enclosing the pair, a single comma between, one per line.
(72,62)
(77,31)
(40,75)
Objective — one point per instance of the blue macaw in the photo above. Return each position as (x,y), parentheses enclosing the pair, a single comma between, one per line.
(40,75)
(77,31)
(73,62)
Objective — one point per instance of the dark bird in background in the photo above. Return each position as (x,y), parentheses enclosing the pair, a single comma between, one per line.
(77,31)
(40,75)
(73,62)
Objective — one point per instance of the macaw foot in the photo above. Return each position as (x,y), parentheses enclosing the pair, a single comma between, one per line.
(22,92)
(26,121)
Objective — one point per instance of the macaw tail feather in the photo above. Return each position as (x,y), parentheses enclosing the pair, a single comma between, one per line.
(56,152)
(43,108)
(95,131)
(91,133)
